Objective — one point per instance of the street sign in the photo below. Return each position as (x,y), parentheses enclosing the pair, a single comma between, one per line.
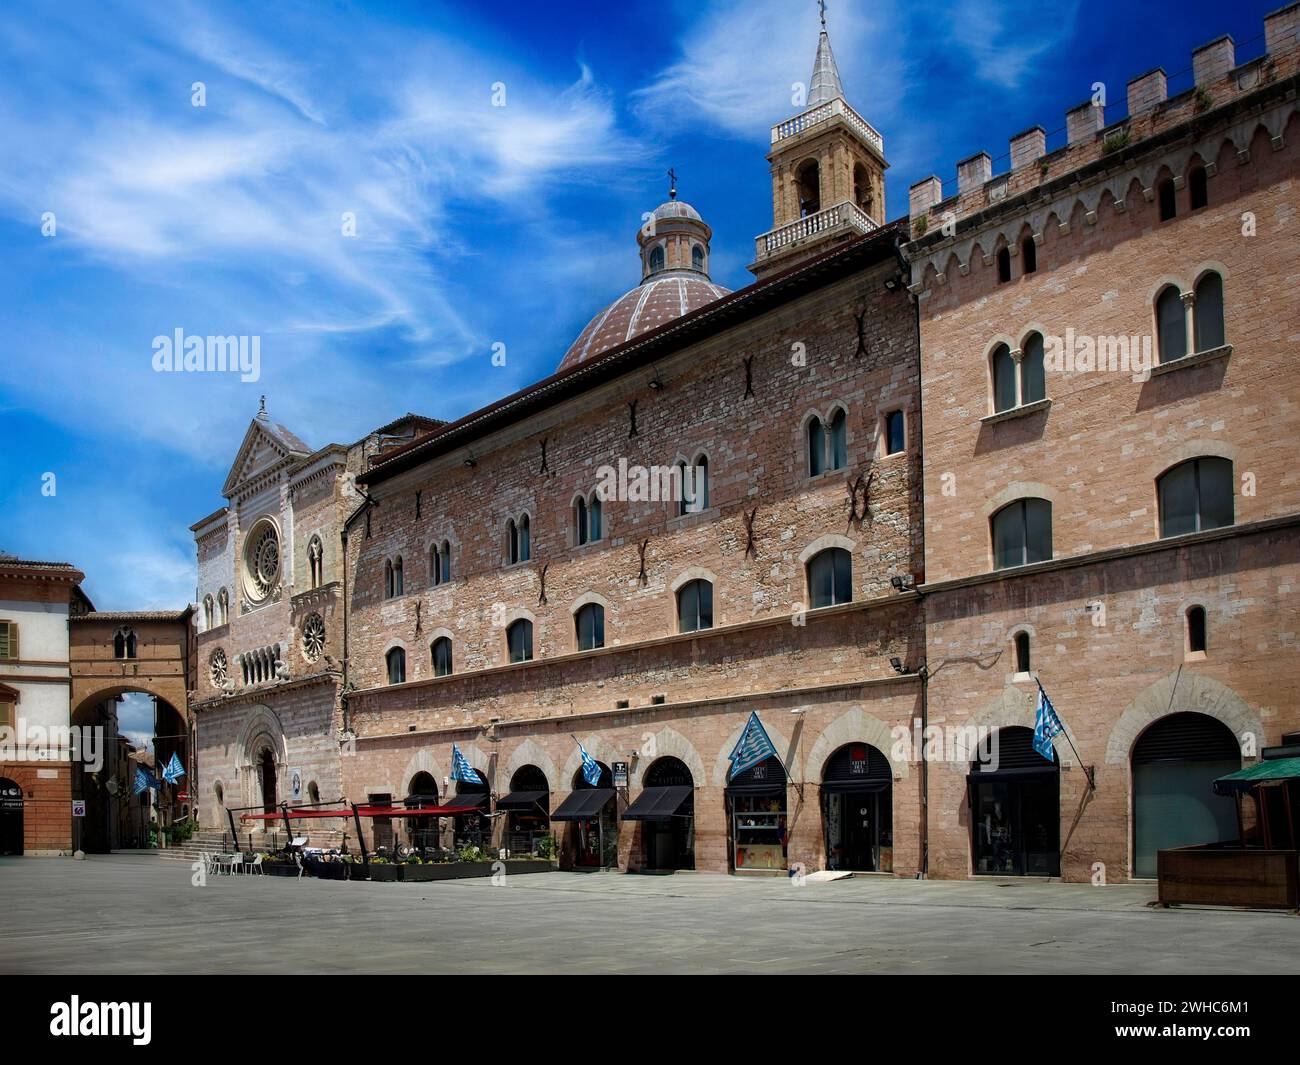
(620,774)
(78,807)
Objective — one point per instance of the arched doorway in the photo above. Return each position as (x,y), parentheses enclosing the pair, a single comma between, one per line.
(528,809)
(1015,804)
(593,811)
(1174,763)
(266,772)
(666,810)
(756,818)
(858,809)
(422,831)
(11,817)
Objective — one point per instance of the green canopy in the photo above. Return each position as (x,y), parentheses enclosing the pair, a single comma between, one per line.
(1270,769)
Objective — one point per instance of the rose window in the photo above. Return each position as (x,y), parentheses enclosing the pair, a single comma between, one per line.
(313,637)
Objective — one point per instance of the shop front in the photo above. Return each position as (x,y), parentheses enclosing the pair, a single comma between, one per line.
(474,828)
(756,818)
(666,810)
(527,808)
(422,832)
(858,810)
(1015,806)
(592,813)
(11,817)
(1175,763)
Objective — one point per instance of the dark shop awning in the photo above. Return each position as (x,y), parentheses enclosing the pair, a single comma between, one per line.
(584,805)
(658,804)
(524,800)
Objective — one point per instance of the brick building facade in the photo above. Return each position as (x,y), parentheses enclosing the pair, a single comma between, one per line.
(906,507)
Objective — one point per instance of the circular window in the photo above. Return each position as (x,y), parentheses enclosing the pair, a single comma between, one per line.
(262,561)
(218,667)
(313,637)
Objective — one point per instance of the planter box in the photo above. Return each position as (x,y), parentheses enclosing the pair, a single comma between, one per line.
(280,868)
(1219,875)
(426,872)
(325,870)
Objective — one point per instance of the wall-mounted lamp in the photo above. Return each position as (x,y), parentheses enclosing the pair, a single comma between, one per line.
(897,663)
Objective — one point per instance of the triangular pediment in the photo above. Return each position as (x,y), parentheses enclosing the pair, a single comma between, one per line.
(265,446)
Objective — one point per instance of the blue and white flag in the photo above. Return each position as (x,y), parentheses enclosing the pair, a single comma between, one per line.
(173,771)
(461,770)
(142,781)
(1046,725)
(754,746)
(590,767)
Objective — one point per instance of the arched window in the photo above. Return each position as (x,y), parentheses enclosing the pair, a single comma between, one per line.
(316,561)
(1029,255)
(808,183)
(398,584)
(435,566)
(580,521)
(1195,495)
(1004,265)
(525,539)
(223,607)
(656,258)
(839,445)
(393,577)
(208,612)
(830,577)
(1208,312)
(816,447)
(862,189)
(519,640)
(124,643)
(1022,652)
(1033,381)
(1004,379)
(396,660)
(695,606)
(446,561)
(589,623)
(595,518)
(1198,188)
(1022,533)
(441,655)
(1171,324)
(1196,629)
(1168,199)
(697,257)
(512,541)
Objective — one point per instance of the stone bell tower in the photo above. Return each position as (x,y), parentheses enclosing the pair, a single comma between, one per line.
(828,173)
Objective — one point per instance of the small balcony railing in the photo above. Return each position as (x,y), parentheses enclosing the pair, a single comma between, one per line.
(844,215)
(823,112)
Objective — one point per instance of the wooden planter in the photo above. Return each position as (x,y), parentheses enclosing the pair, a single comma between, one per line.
(1218,874)
(280,868)
(426,872)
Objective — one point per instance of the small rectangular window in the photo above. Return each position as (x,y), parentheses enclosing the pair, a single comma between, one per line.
(8,639)
(7,715)
(895,432)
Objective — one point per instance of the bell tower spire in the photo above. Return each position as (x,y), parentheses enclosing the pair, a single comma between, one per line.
(828,172)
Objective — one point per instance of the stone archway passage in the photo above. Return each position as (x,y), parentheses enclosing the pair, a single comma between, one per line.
(527,808)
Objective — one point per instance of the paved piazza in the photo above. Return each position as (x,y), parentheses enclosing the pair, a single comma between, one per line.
(137,914)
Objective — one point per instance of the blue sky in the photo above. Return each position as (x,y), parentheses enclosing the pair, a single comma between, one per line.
(475,225)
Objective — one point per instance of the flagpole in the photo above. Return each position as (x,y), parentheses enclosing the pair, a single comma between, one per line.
(1092,783)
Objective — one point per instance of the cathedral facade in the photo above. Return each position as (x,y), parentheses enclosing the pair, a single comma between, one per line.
(872,501)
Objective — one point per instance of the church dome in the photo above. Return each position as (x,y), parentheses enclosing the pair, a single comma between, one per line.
(674,242)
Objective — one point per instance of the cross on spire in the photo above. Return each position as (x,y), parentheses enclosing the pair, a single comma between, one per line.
(822,4)
(672,187)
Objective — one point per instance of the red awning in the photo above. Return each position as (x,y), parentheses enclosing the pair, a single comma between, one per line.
(368,811)
(407,811)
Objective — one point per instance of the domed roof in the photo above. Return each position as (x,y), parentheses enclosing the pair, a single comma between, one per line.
(676,209)
(659,299)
